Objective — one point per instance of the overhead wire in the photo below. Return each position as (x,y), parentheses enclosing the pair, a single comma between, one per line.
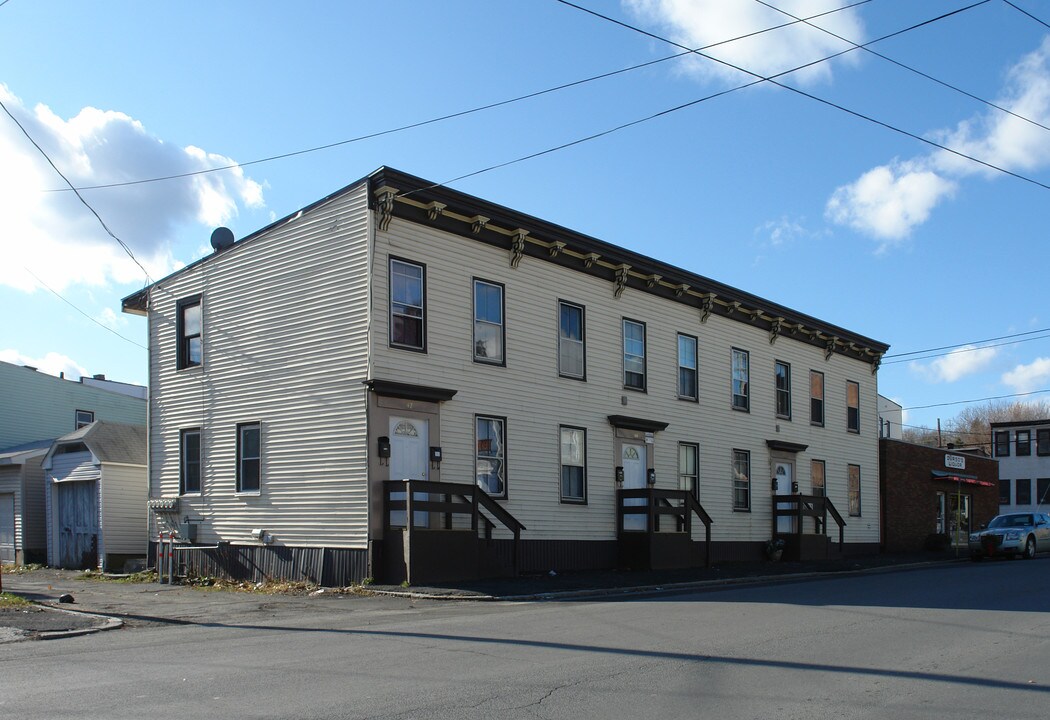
(816,98)
(461,113)
(965,350)
(959,345)
(1025,12)
(909,68)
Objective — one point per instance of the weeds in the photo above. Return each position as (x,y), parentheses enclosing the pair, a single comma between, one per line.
(7,600)
(20,569)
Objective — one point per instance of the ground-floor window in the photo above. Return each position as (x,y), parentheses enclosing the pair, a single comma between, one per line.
(741,480)
(689,468)
(957,516)
(573,464)
(853,488)
(490,462)
(816,477)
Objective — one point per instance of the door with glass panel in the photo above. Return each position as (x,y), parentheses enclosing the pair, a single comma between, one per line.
(408,461)
(634,465)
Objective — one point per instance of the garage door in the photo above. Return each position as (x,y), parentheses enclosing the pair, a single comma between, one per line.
(7,528)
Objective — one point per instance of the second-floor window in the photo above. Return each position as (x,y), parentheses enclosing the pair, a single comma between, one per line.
(816,397)
(571,355)
(83,417)
(782,384)
(1024,442)
(633,355)
(1042,442)
(189,328)
(407,309)
(489,332)
(852,406)
(688,387)
(1002,443)
(741,380)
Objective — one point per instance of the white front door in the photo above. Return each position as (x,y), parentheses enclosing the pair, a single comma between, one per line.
(408,461)
(783,473)
(634,465)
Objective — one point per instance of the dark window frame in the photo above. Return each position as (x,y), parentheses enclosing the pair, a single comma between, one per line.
(502,420)
(1005,496)
(645,359)
(695,396)
(695,490)
(813,406)
(745,405)
(569,499)
(782,393)
(852,492)
(1001,443)
(184,461)
(746,455)
(1025,497)
(1042,491)
(823,487)
(852,412)
(184,341)
(422,347)
(78,423)
(1042,441)
(582,341)
(241,489)
(1023,448)
(502,361)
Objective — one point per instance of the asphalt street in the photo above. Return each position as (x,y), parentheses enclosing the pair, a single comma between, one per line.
(950,641)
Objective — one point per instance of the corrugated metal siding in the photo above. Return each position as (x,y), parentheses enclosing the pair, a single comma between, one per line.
(330,567)
(535,400)
(124,509)
(37,406)
(285,344)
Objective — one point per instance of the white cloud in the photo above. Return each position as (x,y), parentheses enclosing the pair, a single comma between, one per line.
(55,236)
(108,318)
(782,231)
(699,23)
(890,201)
(1026,378)
(956,365)
(53,363)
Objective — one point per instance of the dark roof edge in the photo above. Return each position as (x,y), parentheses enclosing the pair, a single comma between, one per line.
(1019,423)
(425,191)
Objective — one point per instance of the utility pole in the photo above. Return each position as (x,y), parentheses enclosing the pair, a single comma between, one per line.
(939,443)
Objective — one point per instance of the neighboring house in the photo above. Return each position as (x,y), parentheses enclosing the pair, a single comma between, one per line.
(539,383)
(95,497)
(36,408)
(22,535)
(1023,451)
(891,419)
(933,498)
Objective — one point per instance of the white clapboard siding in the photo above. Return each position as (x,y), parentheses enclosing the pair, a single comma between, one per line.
(11,484)
(535,400)
(123,490)
(285,344)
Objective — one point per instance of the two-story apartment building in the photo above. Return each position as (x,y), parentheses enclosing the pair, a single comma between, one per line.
(399,330)
(1023,450)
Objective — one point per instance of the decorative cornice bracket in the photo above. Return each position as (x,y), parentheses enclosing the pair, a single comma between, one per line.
(830,347)
(707,303)
(556,247)
(478,223)
(681,289)
(435,209)
(622,273)
(876,362)
(517,246)
(385,205)
(775,328)
(653,280)
(590,258)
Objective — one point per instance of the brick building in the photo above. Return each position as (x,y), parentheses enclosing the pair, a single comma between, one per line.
(933,497)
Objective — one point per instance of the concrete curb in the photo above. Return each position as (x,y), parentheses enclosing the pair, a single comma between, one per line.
(661,589)
(107,623)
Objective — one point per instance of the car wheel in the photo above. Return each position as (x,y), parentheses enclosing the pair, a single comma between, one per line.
(1029,548)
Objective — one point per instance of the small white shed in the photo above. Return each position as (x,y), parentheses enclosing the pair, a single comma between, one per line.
(96,491)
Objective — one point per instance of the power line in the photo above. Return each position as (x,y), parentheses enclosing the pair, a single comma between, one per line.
(974,342)
(683,106)
(819,99)
(77,193)
(461,113)
(966,350)
(985,399)
(906,67)
(1025,12)
(67,302)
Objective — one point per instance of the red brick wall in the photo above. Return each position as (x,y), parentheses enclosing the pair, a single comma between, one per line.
(909,492)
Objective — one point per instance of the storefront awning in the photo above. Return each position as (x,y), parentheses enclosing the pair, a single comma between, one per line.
(959,478)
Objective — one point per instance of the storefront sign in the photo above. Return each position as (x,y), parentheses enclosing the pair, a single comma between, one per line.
(957,462)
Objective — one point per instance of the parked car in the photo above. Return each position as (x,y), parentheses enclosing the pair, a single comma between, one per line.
(1014,534)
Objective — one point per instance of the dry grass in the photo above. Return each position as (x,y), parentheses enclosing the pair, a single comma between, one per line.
(9,601)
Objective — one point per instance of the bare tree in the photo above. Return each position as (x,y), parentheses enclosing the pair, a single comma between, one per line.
(972,426)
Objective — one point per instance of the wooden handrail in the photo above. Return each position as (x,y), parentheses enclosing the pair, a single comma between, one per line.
(659,503)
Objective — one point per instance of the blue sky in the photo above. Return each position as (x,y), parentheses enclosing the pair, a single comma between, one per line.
(763,188)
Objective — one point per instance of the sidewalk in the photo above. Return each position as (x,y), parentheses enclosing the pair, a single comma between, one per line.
(108,604)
